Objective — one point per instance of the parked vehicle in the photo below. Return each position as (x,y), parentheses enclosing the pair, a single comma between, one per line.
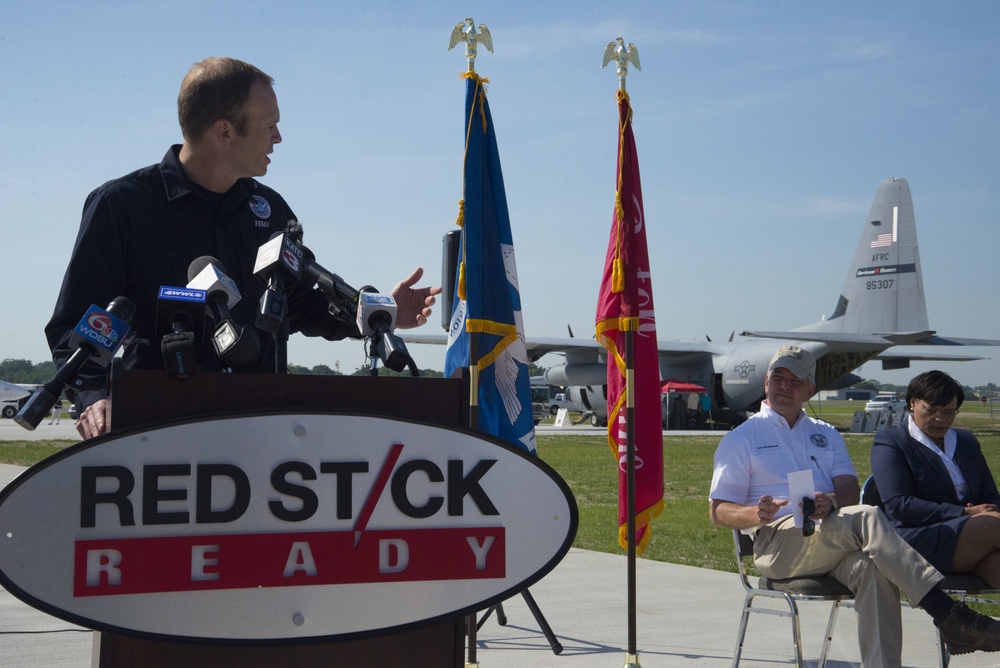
(559,401)
(539,402)
(882,401)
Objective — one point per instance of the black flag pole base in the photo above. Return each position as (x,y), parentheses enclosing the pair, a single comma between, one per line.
(554,643)
(632,660)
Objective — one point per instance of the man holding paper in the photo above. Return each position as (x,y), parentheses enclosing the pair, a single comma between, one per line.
(765,467)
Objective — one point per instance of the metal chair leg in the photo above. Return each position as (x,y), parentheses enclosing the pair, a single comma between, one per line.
(944,656)
(829,634)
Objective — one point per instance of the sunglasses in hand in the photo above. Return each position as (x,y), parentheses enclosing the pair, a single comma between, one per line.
(808,508)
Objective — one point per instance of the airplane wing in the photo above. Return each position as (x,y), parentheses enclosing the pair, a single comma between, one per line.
(537,347)
(924,338)
(823,337)
(917,357)
(12,392)
(955,341)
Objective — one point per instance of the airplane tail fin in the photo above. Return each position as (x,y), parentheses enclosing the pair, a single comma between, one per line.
(884,290)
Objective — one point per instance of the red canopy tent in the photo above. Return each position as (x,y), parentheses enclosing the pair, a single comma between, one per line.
(681,386)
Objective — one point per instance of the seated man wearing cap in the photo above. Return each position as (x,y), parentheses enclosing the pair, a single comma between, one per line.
(853,543)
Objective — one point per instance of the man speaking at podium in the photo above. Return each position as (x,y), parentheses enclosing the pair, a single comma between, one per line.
(143,230)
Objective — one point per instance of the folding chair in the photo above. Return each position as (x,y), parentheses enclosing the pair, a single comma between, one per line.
(790,590)
(963,587)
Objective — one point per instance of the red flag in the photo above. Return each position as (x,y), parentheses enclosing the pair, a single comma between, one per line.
(625,304)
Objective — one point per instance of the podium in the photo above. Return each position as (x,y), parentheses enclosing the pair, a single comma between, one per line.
(144,398)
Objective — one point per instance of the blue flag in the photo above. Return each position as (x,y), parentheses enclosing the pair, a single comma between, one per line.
(487,302)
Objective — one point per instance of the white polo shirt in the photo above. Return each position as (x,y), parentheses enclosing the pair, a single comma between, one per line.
(755,458)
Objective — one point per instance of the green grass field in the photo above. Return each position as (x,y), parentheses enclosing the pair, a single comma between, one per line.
(682,534)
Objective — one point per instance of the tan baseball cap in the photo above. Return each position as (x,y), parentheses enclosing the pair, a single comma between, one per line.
(797,360)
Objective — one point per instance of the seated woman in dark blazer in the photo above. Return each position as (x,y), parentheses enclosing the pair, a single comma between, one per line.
(935,484)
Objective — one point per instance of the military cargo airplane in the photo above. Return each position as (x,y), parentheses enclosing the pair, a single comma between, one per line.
(880,306)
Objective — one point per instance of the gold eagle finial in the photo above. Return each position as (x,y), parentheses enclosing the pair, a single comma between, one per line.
(622,54)
(466,32)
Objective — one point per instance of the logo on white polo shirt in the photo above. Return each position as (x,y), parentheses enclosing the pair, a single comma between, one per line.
(819,440)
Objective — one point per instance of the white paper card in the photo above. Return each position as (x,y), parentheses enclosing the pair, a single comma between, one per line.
(800,484)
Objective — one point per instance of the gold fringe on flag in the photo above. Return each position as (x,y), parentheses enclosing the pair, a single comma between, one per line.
(460,221)
(617,270)
(480,94)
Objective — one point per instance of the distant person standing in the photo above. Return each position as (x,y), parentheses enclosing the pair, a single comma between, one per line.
(56,414)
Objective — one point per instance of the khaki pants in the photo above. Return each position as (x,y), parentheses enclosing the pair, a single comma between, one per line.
(858,547)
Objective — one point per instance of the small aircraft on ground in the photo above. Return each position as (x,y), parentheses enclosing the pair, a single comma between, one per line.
(10,396)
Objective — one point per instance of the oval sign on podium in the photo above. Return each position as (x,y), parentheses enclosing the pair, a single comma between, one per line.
(281,528)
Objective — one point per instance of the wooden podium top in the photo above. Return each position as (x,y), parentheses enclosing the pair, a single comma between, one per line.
(144,397)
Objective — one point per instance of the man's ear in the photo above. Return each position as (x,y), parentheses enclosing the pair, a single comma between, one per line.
(223,131)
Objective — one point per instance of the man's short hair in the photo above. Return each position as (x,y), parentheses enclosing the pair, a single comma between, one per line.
(797,360)
(216,88)
(936,388)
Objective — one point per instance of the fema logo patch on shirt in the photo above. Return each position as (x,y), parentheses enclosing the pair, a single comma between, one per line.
(260,207)
(819,440)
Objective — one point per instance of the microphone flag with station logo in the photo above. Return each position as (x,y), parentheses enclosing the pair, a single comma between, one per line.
(96,338)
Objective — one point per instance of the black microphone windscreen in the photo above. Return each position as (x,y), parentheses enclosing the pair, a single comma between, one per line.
(122,307)
(200,263)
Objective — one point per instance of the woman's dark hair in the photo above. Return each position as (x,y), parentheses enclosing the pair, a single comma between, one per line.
(936,388)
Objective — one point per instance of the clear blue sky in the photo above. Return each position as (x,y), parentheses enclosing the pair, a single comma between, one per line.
(763,131)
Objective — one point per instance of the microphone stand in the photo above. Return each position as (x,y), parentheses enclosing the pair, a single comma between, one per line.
(273,317)
(281,348)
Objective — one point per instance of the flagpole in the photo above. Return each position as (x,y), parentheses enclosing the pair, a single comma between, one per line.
(466,33)
(471,622)
(622,55)
(632,657)
(488,297)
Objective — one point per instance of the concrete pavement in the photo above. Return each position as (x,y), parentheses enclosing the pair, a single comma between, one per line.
(11,431)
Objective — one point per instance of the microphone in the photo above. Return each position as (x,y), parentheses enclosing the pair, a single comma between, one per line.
(277,256)
(377,319)
(236,346)
(333,285)
(180,316)
(97,337)
(205,274)
(376,312)
(284,254)
(342,298)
